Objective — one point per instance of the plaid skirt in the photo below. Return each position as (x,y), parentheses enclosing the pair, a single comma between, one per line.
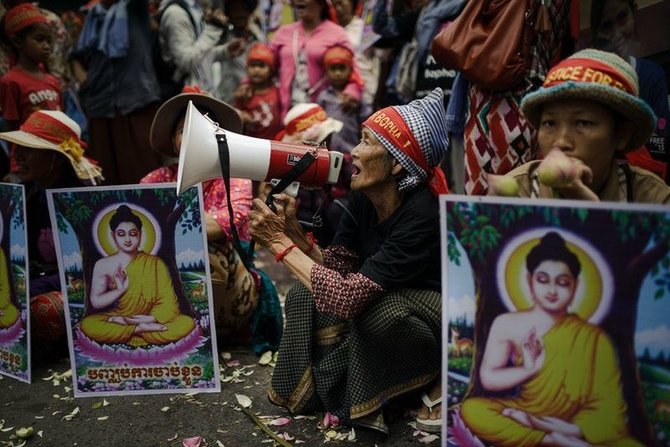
(351,368)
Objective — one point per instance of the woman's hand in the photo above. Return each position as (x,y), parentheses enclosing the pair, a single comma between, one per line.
(266,227)
(568,175)
(292,227)
(213,229)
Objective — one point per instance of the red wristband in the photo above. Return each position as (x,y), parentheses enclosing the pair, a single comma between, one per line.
(312,241)
(280,256)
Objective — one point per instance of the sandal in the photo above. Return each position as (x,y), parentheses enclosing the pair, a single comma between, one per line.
(430,425)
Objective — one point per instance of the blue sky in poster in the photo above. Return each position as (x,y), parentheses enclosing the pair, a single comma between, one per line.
(461,289)
(653,320)
(17,241)
(189,247)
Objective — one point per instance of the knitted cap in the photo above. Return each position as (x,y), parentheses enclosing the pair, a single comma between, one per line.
(416,135)
(598,76)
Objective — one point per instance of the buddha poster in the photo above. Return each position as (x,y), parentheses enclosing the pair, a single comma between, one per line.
(556,323)
(14,303)
(135,274)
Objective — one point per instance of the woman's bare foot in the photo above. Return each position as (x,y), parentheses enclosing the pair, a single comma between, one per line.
(435,413)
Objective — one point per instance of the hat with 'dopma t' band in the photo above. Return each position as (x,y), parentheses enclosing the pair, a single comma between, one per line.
(416,135)
(598,76)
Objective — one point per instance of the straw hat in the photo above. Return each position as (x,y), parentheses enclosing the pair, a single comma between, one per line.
(596,76)
(308,122)
(54,130)
(174,108)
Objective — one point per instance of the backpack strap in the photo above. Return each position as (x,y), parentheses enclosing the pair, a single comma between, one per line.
(185,7)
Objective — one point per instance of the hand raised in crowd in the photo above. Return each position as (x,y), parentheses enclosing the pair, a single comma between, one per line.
(236,46)
(244,92)
(216,17)
(349,103)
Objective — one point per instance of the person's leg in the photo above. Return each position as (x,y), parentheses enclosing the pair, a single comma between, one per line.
(234,289)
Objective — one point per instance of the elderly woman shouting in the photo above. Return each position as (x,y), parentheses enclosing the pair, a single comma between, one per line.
(363,324)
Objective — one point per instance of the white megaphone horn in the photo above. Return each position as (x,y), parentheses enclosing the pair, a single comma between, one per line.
(250,158)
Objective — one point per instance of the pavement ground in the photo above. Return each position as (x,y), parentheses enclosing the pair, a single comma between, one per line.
(59,420)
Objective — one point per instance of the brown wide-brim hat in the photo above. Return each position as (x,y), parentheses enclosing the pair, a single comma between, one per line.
(163,124)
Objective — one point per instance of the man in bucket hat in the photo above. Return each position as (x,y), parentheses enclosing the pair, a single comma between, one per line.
(588,114)
(380,277)
(49,154)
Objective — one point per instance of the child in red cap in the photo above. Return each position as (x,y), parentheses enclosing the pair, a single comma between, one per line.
(261,114)
(26,87)
(338,62)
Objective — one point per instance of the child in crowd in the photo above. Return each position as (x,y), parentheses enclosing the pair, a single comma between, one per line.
(261,114)
(338,62)
(26,88)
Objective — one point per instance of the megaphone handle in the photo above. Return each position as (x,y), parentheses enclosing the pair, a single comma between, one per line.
(224,161)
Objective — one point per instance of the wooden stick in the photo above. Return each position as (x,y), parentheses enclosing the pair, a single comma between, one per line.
(265,428)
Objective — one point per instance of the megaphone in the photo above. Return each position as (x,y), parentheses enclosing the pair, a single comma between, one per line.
(250,158)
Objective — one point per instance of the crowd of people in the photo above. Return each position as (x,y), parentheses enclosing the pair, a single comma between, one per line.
(358,77)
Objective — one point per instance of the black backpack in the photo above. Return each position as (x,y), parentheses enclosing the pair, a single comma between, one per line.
(165,70)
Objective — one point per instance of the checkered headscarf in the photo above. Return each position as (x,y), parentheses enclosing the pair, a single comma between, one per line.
(418,139)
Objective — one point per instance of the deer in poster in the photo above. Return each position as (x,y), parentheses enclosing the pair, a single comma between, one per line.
(74,284)
(460,345)
(198,291)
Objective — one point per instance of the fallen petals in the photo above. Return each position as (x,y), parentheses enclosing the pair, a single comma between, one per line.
(69,417)
(165,409)
(24,432)
(285,436)
(330,420)
(279,422)
(266,358)
(428,439)
(243,400)
(103,418)
(192,442)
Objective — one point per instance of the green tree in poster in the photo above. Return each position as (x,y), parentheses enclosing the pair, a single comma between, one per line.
(634,245)
(11,210)
(78,209)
